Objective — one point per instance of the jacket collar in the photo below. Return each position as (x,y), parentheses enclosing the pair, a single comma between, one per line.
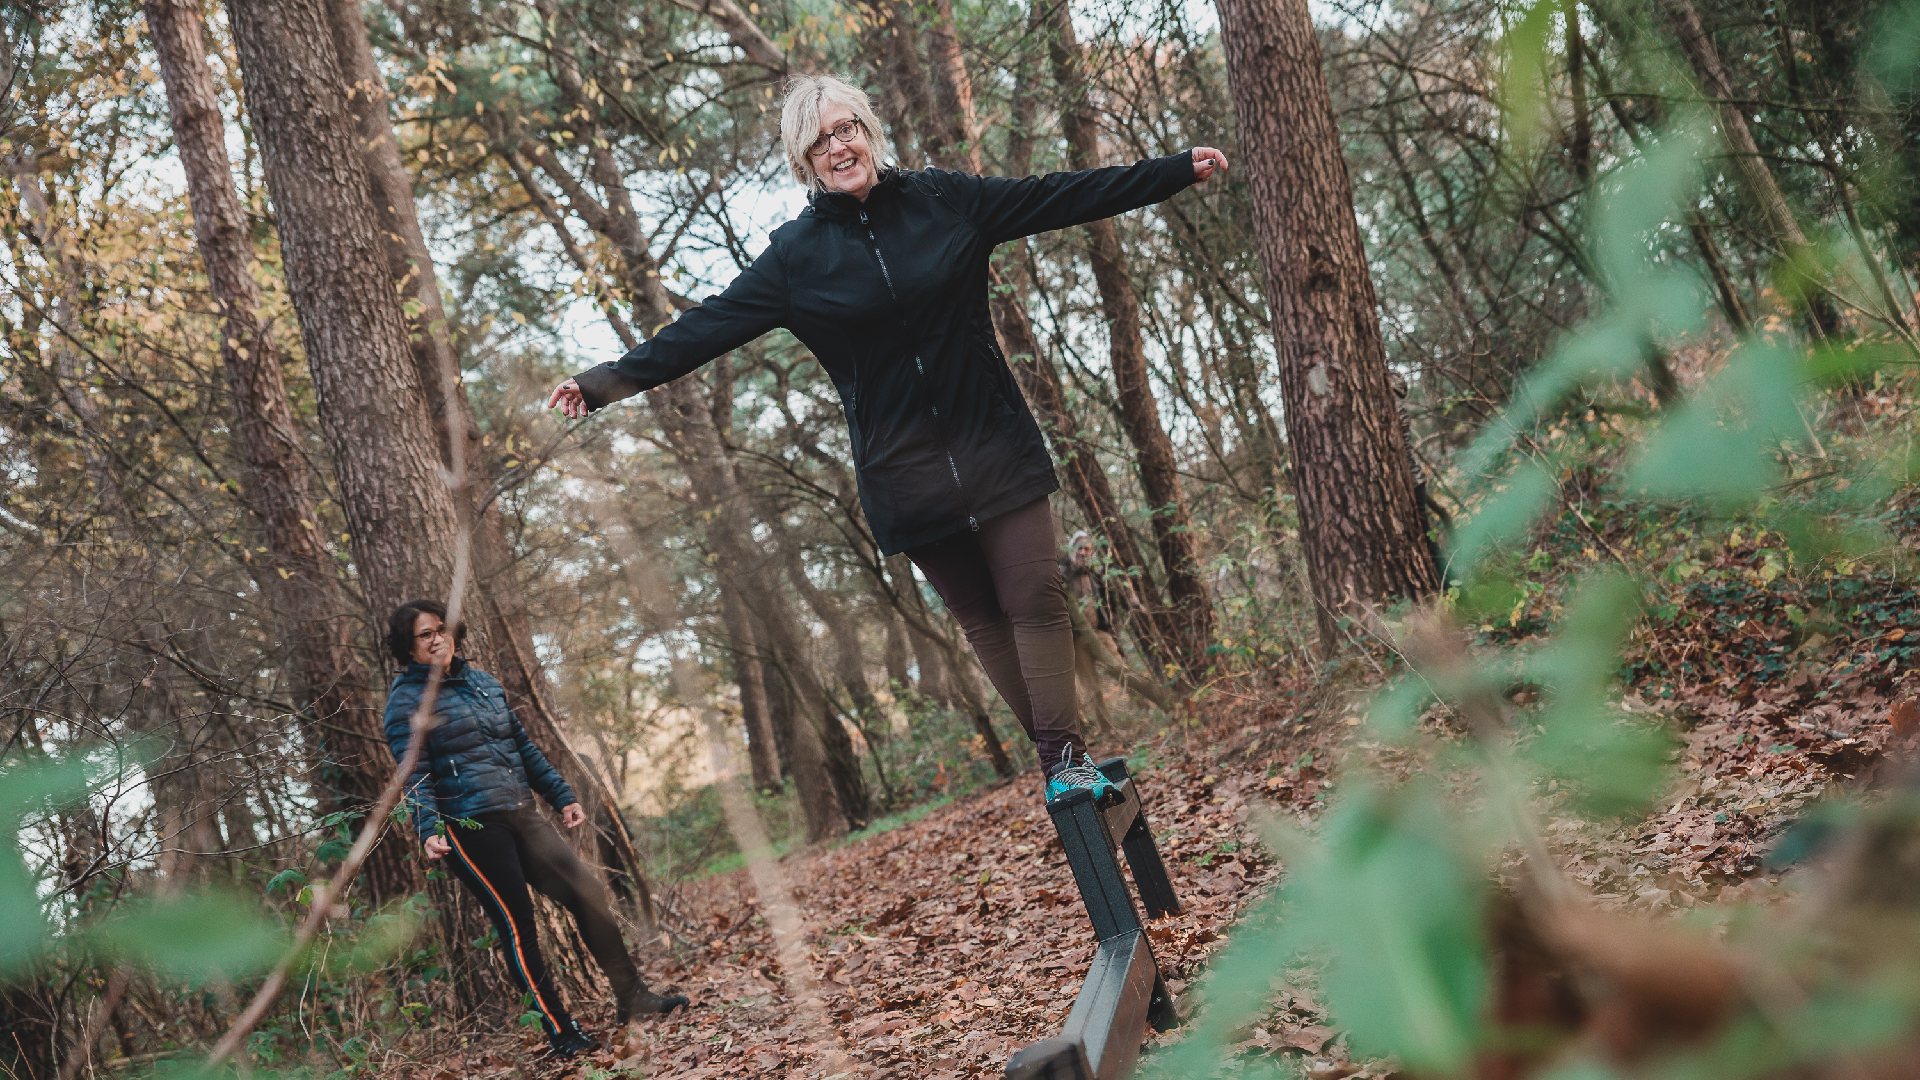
(417,673)
(840,206)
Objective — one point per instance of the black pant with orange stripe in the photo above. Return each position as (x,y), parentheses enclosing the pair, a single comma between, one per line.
(514,849)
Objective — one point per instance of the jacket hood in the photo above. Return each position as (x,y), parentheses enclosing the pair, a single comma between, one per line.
(840,206)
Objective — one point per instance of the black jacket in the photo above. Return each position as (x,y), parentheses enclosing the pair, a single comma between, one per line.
(891,296)
(477,757)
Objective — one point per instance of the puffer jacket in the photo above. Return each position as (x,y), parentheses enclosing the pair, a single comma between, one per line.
(891,296)
(477,757)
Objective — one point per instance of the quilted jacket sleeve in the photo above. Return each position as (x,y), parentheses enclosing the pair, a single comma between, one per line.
(417,796)
(755,303)
(1006,209)
(541,775)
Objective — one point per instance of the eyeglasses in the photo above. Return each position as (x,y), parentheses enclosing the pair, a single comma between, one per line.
(846,131)
(438,631)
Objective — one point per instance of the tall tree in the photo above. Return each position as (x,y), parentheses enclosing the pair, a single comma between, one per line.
(331,683)
(749,677)
(505,638)
(1360,524)
(404,525)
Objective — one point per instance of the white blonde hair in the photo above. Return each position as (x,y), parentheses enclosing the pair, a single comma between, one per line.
(800,122)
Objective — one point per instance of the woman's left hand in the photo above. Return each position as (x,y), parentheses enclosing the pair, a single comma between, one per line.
(573,816)
(1206,162)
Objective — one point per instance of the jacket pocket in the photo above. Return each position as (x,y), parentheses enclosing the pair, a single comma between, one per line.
(992,370)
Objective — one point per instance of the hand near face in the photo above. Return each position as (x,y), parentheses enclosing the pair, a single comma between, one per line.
(437,847)
(573,816)
(1206,162)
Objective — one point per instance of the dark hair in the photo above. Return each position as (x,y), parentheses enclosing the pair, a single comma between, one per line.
(400,627)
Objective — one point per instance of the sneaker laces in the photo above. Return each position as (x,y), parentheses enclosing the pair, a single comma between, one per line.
(1082,775)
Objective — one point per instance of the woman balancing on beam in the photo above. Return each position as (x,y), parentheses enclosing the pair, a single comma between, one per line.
(884,277)
(471,797)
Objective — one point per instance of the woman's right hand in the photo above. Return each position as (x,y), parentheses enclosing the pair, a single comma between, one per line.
(437,847)
(571,403)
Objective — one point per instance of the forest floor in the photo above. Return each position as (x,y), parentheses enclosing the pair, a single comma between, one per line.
(946,944)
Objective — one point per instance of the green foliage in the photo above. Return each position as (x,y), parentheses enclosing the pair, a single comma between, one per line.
(194,937)
(1395,908)
(1616,766)
(23,789)
(184,936)
(1722,444)
(1389,902)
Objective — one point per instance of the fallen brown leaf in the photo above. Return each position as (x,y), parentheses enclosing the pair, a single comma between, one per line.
(1906,716)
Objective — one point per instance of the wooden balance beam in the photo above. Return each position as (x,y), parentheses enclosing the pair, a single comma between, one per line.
(1124,991)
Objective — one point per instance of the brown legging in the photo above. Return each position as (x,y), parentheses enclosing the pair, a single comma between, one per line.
(1003,585)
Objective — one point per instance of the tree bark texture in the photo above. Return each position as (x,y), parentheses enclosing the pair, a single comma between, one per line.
(893,44)
(347,745)
(503,629)
(895,656)
(1361,527)
(849,655)
(1190,599)
(953,121)
(404,525)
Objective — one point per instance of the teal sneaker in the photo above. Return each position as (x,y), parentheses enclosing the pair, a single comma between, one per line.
(1069,775)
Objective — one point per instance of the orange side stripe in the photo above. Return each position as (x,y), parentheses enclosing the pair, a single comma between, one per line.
(507,914)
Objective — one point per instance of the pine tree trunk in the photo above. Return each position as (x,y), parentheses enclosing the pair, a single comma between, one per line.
(404,526)
(1361,525)
(348,754)
(896,650)
(503,643)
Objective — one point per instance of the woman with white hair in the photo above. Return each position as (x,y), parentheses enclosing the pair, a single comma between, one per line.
(884,277)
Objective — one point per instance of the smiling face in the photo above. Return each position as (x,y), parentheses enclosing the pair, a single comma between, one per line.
(432,644)
(847,166)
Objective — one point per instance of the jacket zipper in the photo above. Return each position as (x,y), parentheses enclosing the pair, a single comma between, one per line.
(919,368)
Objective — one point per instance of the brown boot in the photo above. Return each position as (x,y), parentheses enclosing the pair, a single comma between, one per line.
(640,1001)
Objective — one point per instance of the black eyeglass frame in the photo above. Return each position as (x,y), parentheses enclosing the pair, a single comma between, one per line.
(823,144)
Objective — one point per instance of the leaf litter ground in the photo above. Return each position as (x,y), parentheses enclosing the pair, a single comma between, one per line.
(946,944)
(941,947)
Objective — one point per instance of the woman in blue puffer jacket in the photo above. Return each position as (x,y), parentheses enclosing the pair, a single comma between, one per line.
(471,797)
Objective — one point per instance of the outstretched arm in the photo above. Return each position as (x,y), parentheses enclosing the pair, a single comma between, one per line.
(1005,209)
(755,303)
